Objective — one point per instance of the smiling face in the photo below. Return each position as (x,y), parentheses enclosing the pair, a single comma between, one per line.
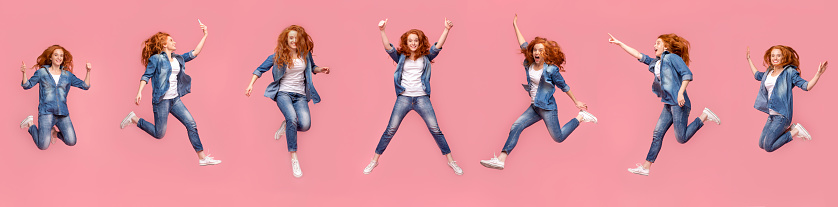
(659,47)
(538,53)
(170,44)
(413,42)
(57,57)
(292,39)
(776,57)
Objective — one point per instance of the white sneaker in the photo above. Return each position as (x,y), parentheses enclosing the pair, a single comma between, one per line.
(295,167)
(457,169)
(208,161)
(368,169)
(587,117)
(26,122)
(127,120)
(493,163)
(639,170)
(712,116)
(280,131)
(801,132)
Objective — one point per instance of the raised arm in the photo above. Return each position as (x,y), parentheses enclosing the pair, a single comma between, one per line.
(518,34)
(448,26)
(203,39)
(751,63)
(88,66)
(23,70)
(821,69)
(381,25)
(631,51)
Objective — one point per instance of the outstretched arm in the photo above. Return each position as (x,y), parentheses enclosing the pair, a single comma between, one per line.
(518,34)
(821,69)
(631,51)
(751,63)
(381,25)
(203,39)
(448,26)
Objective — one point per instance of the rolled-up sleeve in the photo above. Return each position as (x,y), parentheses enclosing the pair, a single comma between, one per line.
(265,66)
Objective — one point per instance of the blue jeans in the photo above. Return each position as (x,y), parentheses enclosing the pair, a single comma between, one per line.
(42,133)
(422,106)
(775,133)
(672,114)
(294,107)
(161,116)
(534,114)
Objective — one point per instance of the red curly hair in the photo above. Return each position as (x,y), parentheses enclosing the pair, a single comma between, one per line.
(44,59)
(678,45)
(552,52)
(423,48)
(283,50)
(790,57)
(153,45)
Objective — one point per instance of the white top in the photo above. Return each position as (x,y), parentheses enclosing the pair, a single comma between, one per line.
(412,77)
(770,81)
(294,78)
(172,92)
(56,77)
(658,69)
(535,78)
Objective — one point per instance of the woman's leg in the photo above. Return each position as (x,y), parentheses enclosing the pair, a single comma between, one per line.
(400,109)
(67,132)
(664,122)
(683,132)
(557,132)
(161,116)
(776,133)
(527,119)
(41,133)
(285,102)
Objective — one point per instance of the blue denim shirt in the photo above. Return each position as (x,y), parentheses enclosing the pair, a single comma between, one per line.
(159,69)
(278,72)
(673,71)
(550,78)
(426,73)
(781,100)
(52,98)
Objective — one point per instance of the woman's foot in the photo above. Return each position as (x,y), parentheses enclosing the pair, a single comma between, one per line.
(639,170)
(493,163)
(208,161)
(295,168)
(801,132)
(127,120)
(27,122)
(587,117)
(368,169)
(280,131)
(457,169)
(712,116)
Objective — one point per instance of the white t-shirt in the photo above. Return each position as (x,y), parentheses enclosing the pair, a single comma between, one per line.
(770,81)
(56,77)
(172,92)
(294,78)
(535,79)
(412,77)
(658,69)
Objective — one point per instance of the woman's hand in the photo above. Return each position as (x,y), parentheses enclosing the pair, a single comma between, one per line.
(448,24)
(203,27)
(614,40)
(248,90)
(322,70)
(22,67)
(681,100)
(822,67)
(137,101)
(88,66)
(581,105)
(382,24)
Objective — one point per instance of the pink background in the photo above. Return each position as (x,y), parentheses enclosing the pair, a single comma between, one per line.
(477,95)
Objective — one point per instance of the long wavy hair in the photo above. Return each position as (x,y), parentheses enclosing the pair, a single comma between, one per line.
(790,57)
(153,45)
(44,59)
(423,48)
(678,45)
(283,50)
(553,54)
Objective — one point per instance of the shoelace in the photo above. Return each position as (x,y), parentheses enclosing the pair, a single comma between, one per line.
(296,165)
(208,158)
(371,165)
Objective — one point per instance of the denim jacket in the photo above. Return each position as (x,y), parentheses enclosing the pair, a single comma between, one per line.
(781,100)
(550,78)
(673,71)
(159,69)
(426,73)
(52,98)
(278,72)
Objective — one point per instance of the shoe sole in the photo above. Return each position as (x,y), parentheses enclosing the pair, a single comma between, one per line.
(714,116)
(280,132)
(27,119)
(639,173)
(491,166)
(205,164)
(588,114)
(803,131)
(123,124)
(368,172)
